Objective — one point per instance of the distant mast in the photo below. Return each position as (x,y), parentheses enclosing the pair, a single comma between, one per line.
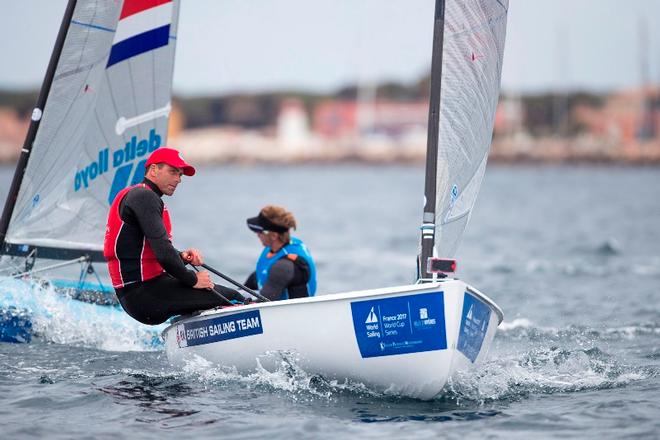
(646,129)
(430,187)
(34,124)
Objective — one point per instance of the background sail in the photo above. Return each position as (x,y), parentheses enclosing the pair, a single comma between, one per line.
(471,69)
(106,111)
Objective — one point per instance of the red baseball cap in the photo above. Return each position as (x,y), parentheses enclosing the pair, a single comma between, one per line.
(171,157)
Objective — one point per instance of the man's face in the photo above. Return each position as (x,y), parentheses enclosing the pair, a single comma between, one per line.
(165,177)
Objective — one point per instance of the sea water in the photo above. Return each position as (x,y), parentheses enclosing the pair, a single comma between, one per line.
(571,254)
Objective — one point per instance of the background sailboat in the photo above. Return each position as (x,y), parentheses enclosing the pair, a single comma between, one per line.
(103,107)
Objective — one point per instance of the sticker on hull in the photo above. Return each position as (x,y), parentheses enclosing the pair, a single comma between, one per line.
(219,329)
(405,324)
(474,325)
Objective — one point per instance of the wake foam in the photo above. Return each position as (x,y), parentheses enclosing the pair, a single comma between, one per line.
(527,360)
(509,377)
(531,360)
(284,374)
(541,371)
(57,318)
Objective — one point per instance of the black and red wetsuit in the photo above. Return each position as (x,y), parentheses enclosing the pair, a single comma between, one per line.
(147,272)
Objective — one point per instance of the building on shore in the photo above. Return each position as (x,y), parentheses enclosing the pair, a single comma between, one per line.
(621,127)
(13,129)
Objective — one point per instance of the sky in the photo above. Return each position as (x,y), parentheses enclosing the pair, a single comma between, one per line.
(321,45)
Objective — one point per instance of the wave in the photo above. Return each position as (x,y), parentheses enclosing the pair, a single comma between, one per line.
(580,267)
(506,377)
(606,248)
(528,359)
(632,331)
(157,391)
(547,370)
(518,323)
(573,265)
(523,329)
(609,247)
(284,374)
(57,318)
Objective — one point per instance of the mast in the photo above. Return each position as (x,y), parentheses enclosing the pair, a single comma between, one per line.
(428,219)
(34,127)
(646,129)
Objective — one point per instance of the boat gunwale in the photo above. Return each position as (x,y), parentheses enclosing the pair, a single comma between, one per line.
(336,297)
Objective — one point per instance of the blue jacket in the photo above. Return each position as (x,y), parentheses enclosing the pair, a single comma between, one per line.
(295,247)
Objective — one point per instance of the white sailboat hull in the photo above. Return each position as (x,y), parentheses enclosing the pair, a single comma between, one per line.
(403,340)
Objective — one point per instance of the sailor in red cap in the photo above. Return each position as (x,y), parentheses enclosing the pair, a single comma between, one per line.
(147,272)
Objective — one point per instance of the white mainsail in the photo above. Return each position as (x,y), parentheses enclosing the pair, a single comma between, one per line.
(474,35)
(107,109)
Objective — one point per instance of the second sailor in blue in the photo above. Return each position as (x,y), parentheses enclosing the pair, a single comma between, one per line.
(285,269)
